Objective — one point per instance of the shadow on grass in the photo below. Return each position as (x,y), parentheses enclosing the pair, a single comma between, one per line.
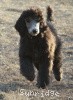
(14,86)
(14,10)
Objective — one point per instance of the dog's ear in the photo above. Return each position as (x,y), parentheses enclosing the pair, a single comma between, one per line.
(20,25)
(49,14)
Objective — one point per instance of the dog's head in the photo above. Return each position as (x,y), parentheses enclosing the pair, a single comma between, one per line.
(31,22)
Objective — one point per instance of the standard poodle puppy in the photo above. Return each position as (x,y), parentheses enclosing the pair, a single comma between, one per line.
(40,46)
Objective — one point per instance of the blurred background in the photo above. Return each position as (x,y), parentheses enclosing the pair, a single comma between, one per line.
(13,86)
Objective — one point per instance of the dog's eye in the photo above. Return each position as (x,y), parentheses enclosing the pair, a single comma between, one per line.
(28,20)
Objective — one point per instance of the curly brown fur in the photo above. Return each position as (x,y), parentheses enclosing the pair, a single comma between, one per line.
(42,51)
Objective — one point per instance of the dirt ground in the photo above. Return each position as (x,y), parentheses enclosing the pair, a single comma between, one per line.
(13,86)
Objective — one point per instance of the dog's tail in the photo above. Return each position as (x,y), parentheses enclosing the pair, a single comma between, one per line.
(49,19)
(49,14)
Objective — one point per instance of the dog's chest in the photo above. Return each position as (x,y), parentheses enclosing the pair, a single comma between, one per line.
(39,48)
(36,55)
(36,52)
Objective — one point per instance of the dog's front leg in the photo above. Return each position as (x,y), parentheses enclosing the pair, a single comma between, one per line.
(43,73)
(27,68)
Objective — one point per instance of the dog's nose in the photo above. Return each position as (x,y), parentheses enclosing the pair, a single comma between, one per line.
(34,31)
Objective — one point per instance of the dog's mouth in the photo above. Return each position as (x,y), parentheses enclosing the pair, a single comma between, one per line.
(34,34)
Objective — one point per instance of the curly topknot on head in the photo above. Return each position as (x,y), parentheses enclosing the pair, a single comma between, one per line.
(33,13)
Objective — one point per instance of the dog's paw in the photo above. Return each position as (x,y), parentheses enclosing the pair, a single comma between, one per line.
(42,84)
(58,76)
(29,76)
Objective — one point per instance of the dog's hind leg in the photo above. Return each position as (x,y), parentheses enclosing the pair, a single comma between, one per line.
(57,63)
